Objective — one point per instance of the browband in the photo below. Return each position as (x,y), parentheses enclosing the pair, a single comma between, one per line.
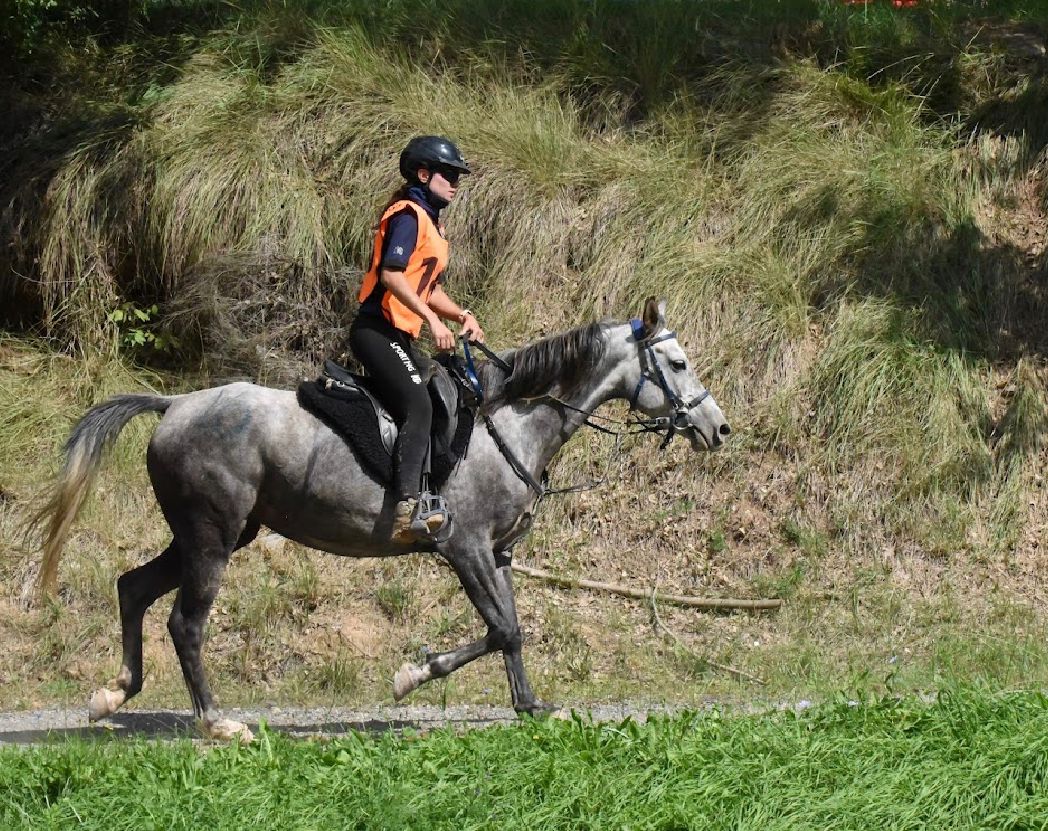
(640,332)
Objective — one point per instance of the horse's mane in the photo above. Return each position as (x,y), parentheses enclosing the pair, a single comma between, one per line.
(557,364)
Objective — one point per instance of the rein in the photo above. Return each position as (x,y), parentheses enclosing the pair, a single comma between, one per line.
(672,425)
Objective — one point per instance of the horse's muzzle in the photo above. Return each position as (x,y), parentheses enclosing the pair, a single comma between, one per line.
(713,440)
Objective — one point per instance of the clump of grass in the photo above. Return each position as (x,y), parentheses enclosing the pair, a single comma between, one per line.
(807,539)
(260,604)
(338,675)
(562,635)
(395,599)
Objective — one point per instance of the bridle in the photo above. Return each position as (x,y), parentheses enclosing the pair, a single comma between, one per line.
(679,420)
(635,424)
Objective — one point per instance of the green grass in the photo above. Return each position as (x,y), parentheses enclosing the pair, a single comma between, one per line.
(969,760)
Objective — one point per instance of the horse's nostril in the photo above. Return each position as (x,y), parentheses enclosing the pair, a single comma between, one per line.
(725,430)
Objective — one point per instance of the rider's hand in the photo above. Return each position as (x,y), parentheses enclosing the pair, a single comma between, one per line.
(471,329)
(444,337)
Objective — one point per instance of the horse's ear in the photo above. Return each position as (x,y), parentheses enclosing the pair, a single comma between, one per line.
(654,316)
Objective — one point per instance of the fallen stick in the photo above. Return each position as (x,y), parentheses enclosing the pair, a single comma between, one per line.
(640,594)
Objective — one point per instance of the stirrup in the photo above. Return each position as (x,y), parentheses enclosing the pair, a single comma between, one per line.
(431,519)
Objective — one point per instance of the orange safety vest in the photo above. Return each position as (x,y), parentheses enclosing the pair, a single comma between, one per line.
(425,265)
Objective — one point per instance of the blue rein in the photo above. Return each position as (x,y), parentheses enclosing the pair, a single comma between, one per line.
(471,370)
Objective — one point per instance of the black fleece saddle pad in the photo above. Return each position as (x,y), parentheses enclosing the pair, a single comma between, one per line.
(352,416)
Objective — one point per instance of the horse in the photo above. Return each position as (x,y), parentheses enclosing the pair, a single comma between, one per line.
(226,460)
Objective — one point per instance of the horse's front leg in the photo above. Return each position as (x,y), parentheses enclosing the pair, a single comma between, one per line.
(489,586)
(524,700)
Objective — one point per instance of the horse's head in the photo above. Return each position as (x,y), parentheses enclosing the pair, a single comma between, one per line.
(664,384)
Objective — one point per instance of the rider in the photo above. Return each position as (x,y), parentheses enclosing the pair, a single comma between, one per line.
(403,290)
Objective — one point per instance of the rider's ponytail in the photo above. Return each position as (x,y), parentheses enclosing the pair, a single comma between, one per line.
(398,195)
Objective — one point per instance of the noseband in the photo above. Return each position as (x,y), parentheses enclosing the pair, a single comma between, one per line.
(681,408)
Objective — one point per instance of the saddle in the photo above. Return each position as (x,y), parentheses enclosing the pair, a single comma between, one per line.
(346,403)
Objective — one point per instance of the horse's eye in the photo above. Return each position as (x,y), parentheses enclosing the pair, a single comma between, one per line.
(678,366)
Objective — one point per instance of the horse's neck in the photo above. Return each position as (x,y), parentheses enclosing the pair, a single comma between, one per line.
(538,431)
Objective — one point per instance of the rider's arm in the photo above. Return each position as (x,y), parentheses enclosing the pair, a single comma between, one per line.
(397,284)
(448,309)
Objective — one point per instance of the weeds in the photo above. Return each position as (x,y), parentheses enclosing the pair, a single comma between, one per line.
(395,600)
(338,676)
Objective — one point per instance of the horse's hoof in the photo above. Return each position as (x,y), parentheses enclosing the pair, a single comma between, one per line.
(104,703)
(225,730)
(540,709)
(408,678)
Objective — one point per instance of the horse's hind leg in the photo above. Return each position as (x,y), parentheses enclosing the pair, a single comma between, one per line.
(138,589)
(201,577)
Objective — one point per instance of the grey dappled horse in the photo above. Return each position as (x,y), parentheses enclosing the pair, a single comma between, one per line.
(227,460)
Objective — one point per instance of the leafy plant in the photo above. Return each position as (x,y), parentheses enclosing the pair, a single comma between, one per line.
(142,328)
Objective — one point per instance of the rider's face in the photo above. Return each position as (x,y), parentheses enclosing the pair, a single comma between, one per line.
(443,186)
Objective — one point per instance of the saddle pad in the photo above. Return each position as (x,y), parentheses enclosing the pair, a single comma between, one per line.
(353,418)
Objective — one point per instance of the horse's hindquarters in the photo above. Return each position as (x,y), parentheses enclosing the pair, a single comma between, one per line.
(248,453)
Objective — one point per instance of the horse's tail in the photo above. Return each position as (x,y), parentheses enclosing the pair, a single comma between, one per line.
(91,437)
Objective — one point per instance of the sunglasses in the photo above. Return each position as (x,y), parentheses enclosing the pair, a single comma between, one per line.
(450,174)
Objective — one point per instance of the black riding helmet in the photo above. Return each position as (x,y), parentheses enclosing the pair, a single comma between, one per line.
(430,152)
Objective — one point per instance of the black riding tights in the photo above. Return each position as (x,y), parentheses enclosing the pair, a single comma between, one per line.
(392,364)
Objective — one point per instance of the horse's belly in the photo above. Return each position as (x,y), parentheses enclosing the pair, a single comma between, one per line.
(340,528)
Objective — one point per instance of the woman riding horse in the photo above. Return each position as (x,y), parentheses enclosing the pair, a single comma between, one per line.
(402,290)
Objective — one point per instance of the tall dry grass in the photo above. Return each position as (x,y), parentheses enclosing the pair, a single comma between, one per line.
(776,205)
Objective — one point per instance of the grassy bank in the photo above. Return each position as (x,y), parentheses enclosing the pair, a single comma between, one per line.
(967,761)
(844,207)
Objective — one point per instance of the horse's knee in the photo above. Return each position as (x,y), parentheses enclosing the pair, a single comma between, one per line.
(506,636)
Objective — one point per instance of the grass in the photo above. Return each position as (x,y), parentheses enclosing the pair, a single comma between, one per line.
(966,760)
